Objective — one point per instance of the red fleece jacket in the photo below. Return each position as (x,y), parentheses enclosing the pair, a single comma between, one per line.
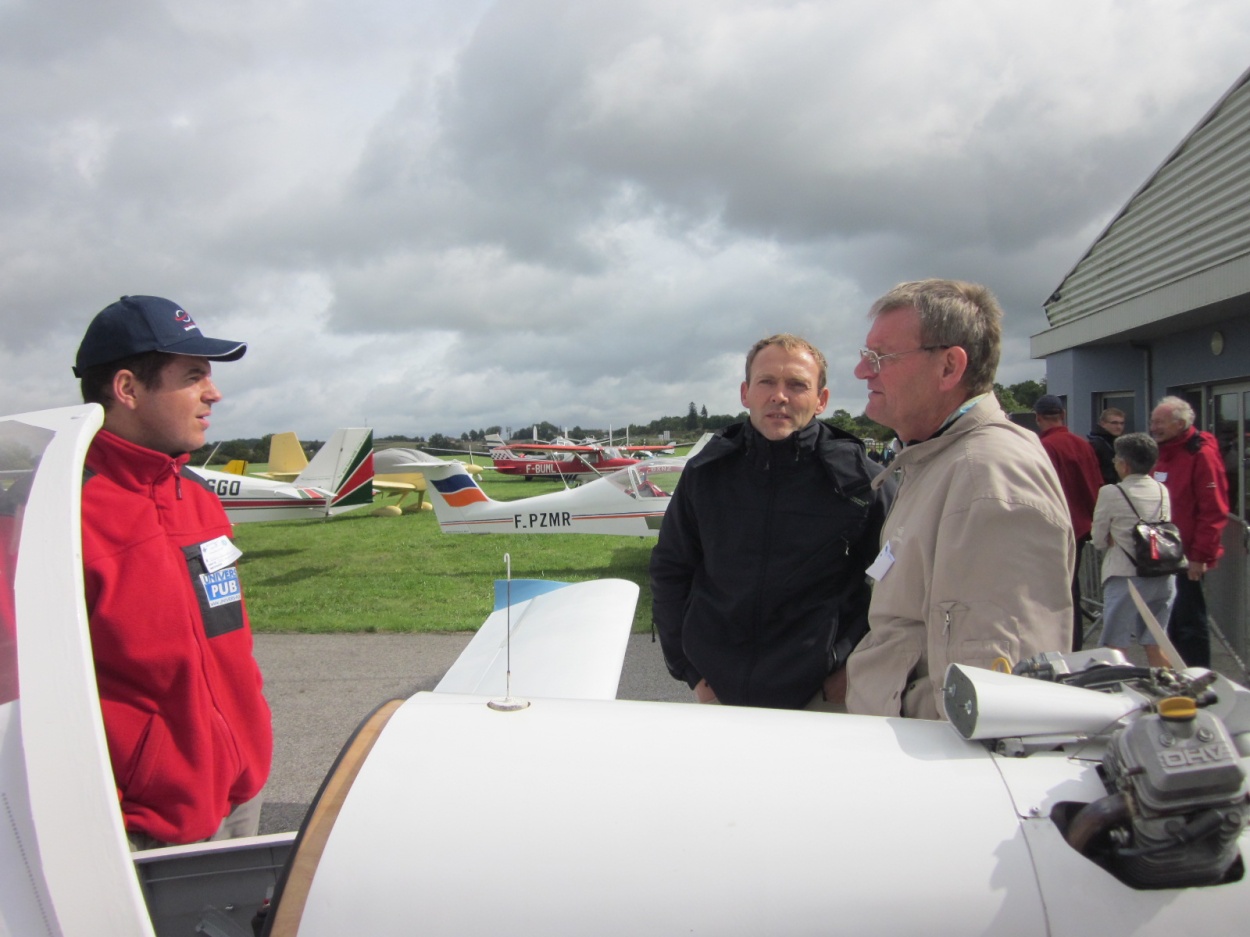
(189,731)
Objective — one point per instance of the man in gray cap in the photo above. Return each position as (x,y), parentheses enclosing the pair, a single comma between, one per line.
(188,728)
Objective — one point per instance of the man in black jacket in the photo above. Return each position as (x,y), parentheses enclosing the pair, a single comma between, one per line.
(1102,438)
(758,575)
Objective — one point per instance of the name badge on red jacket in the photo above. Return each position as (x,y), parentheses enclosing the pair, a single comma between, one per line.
(219,591)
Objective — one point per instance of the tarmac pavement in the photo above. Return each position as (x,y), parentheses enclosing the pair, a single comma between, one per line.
(320,687)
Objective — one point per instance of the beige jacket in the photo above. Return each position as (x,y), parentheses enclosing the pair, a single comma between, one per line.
(1114,520)
(982,565)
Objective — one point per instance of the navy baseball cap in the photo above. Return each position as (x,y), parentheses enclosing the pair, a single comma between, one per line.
(135,324)
(1048,405)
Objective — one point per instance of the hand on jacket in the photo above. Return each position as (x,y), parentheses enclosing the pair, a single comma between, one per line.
(835,686)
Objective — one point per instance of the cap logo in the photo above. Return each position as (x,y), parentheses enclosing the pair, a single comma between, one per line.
(183,318)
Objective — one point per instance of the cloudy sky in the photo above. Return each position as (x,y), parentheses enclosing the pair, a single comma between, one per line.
(440,215)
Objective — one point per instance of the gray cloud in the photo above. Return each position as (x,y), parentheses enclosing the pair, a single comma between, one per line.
(455,215)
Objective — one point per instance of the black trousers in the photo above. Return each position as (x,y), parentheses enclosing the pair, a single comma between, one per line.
(1078,619)
(1189,626)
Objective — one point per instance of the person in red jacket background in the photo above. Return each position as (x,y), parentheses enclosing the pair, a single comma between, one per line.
(1080,477)
(1191,468)
(189,731)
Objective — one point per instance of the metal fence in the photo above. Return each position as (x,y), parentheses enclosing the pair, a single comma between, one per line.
(1091,595)
(1227,590)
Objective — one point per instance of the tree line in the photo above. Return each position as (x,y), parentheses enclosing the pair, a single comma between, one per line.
(1015,398)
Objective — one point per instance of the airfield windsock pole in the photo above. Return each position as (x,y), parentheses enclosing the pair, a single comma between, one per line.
(508,704)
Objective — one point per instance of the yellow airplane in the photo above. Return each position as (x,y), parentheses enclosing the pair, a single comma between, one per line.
(399,469)
(286,458)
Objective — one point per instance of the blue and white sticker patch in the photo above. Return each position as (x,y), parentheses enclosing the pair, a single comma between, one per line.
(222,587)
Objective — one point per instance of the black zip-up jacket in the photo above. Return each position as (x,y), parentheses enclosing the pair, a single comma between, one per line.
(1104,447)
(758,575)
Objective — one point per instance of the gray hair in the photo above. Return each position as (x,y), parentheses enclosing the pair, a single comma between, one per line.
(1179,408)
(1139,452)
(954,314)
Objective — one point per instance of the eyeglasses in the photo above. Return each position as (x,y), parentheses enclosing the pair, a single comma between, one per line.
(873,360)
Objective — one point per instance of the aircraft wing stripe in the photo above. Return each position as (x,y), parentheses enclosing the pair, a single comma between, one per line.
(607,517)
(236,504)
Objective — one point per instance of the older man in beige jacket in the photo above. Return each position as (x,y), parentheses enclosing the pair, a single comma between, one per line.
(977,552)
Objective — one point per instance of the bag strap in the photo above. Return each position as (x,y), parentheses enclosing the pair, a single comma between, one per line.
(1135,511)
(1120,488)
(1161,519)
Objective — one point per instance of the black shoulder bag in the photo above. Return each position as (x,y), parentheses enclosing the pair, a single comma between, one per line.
(1157,549)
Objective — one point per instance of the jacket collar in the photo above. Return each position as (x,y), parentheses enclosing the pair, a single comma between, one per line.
(986,410)
(744,437)
(1054,429)
(839,452)
(131,465)
(1180,440)
(778,451)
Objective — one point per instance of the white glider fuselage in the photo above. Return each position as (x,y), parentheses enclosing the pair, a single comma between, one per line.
(657,818)
(628,502)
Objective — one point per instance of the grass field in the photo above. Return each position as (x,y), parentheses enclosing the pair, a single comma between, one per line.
(357,572)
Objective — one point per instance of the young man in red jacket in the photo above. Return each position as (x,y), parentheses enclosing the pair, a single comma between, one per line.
(188,728)
(1191,468)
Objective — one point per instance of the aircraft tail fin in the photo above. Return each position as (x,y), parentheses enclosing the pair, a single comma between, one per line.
(454,494)
(286,455)
(343,466)
(698,446)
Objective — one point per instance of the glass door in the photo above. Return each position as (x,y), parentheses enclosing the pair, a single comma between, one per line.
(1230,405)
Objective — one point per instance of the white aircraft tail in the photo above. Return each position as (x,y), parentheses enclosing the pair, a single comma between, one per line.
(344,467)
(455,495)
(698,446)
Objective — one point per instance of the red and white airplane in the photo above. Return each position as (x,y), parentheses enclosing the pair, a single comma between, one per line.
(569,461)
